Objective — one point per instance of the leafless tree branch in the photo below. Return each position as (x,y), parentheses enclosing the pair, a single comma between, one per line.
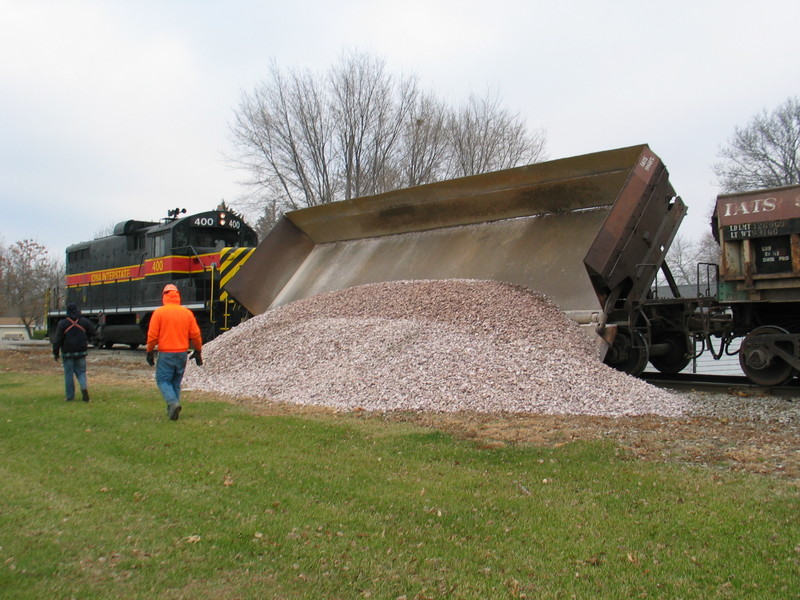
(305,140)
(763,154)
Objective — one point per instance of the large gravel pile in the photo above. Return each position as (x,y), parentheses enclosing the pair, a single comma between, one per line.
(454,345)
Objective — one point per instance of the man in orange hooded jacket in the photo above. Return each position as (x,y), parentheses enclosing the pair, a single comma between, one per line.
(172,327)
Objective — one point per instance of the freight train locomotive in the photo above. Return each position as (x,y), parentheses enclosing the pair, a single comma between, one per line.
(117,280)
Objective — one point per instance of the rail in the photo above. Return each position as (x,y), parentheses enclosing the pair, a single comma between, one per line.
(731,384)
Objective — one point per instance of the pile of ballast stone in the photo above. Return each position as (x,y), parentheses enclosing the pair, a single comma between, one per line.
(440,346)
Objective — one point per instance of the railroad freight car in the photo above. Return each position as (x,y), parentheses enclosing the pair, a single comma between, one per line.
(759,279)
(117,280)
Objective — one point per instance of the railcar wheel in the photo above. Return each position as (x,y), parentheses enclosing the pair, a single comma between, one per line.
(676,358)
(759,365)
(627,356)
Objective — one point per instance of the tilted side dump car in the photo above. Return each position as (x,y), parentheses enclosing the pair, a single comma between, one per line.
(590,232)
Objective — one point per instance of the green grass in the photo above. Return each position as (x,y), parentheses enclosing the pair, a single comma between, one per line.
(112,500)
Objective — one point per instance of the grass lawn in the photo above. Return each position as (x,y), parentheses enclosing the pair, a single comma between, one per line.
(111,500)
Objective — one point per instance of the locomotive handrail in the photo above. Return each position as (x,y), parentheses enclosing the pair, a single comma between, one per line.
(710,268)
(197,256)
(211,300)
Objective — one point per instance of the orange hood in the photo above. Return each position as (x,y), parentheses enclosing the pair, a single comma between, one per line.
(171,295)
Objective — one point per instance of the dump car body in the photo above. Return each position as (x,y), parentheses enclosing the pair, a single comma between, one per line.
(589,231)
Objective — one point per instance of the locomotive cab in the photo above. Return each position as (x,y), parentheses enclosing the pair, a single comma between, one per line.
(205,232)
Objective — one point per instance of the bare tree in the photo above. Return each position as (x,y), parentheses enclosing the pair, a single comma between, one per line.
(686,257)
(708,249)
(283,137)
(487,137)
(268,218)
(763,154)
(425,142)
(104,231)
(306,140)
(682,259)
(28,272)
(371,107)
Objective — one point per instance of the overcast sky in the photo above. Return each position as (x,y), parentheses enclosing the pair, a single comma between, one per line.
(119,109)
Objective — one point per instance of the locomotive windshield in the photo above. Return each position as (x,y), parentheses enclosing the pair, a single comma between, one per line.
(206,238)
(212,230)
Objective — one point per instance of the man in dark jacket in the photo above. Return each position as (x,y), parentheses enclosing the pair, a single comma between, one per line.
(72,342)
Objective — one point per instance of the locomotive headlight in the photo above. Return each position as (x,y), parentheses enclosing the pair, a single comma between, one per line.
(222,219)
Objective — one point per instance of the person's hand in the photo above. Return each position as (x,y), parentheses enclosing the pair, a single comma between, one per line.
(197,357)
(55,357)
(150,358)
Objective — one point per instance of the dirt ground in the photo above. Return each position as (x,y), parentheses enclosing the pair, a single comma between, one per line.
(766,446)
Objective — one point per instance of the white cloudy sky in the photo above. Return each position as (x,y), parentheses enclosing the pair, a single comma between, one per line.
(119,109)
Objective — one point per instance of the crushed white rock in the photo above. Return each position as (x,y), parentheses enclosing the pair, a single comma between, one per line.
(440,346)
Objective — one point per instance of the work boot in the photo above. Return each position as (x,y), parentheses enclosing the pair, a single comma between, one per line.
(173,411)
(85,394)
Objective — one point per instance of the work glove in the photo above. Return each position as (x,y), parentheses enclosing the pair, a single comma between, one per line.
(55,357)
(150,358)
(197,357)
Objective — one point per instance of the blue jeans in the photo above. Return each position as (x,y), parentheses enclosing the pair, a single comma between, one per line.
(169,374)
(74,367)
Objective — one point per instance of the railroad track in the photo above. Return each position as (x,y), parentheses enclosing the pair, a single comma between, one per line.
(720,384)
